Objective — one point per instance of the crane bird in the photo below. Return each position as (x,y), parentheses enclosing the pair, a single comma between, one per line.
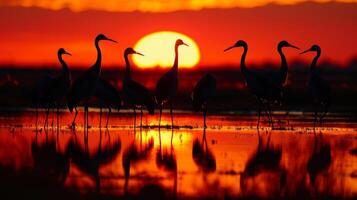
(166,87)
(84,87)
(134,93)
(318,88)
(109,96)
(266,91)
(53,90)
(281,77)
(204,91)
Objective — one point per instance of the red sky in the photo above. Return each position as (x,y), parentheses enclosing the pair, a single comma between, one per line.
(32,35)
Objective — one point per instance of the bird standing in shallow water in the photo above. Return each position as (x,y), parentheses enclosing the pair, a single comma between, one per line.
(318,88)
(266,91)
(166,87)
(204,91)
(54,90)
(84,87)
(135,94)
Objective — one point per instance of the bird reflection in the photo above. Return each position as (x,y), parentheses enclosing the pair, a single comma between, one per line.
(266,159)
(91,163)
(202,155)
(320,159)
(133,155)
(49,162)
(166,161)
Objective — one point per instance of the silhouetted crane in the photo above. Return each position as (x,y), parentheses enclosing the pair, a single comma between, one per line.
(135,94)
(204,91)
(318,88)
(84,87)
(266,91)
(166,87)
(281,77)
(109,96)
(52,90)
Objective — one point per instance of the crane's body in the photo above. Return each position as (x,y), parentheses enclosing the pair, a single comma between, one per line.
(84,87)
(318,88)
(51,91)
(166,87)
(266,91)
(204,90)
(135,94)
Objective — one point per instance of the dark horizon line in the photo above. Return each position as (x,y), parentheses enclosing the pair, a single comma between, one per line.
(351,63)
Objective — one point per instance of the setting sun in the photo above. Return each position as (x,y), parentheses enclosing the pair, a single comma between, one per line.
(158,49)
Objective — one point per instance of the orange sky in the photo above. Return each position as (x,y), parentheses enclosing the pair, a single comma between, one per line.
(31,35)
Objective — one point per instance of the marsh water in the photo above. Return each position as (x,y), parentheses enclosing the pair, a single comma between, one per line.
(230,159)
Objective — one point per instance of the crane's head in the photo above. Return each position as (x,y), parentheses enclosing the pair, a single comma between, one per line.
(180,42)
(284,43)
(314,47)
(62,51)
(131,51)
(103,37)
(239,43)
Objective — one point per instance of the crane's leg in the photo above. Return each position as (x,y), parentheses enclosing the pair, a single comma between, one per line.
(134,119)
(160,117)
(57,113)
(46,120)
(270,116)
(73,125)
(172,116)
(36,125)
(259,111)
(141,118)
(100,116)
(204,117)
(108,115)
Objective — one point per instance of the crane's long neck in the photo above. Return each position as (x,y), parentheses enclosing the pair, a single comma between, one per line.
(314,61)
(127,66)
(176,58)
(63,63)
(284,66)
(243,67)
(98,63)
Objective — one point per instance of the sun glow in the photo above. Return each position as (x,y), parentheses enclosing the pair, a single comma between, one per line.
(158,49)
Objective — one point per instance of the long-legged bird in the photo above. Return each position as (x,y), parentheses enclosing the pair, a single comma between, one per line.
(266,91)
(204,91)
(166,87)
(134,93)
(318,88)
(84,87)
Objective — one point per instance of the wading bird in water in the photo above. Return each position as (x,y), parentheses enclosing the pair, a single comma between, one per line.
(166,87)
(134,93)
(84,87)
(204,91)
(109,97)
(52,91)
(281,77)
(266,91)
(318,88)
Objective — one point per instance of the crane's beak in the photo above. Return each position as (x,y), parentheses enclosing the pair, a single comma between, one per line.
(139,53)
(295,47)
(305,51)
(185,44)
(111,40)
(229,48)
(67,53)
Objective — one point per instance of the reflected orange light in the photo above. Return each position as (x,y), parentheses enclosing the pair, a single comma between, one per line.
(158,49)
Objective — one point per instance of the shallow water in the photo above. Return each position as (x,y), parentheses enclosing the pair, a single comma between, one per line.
(230,159)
